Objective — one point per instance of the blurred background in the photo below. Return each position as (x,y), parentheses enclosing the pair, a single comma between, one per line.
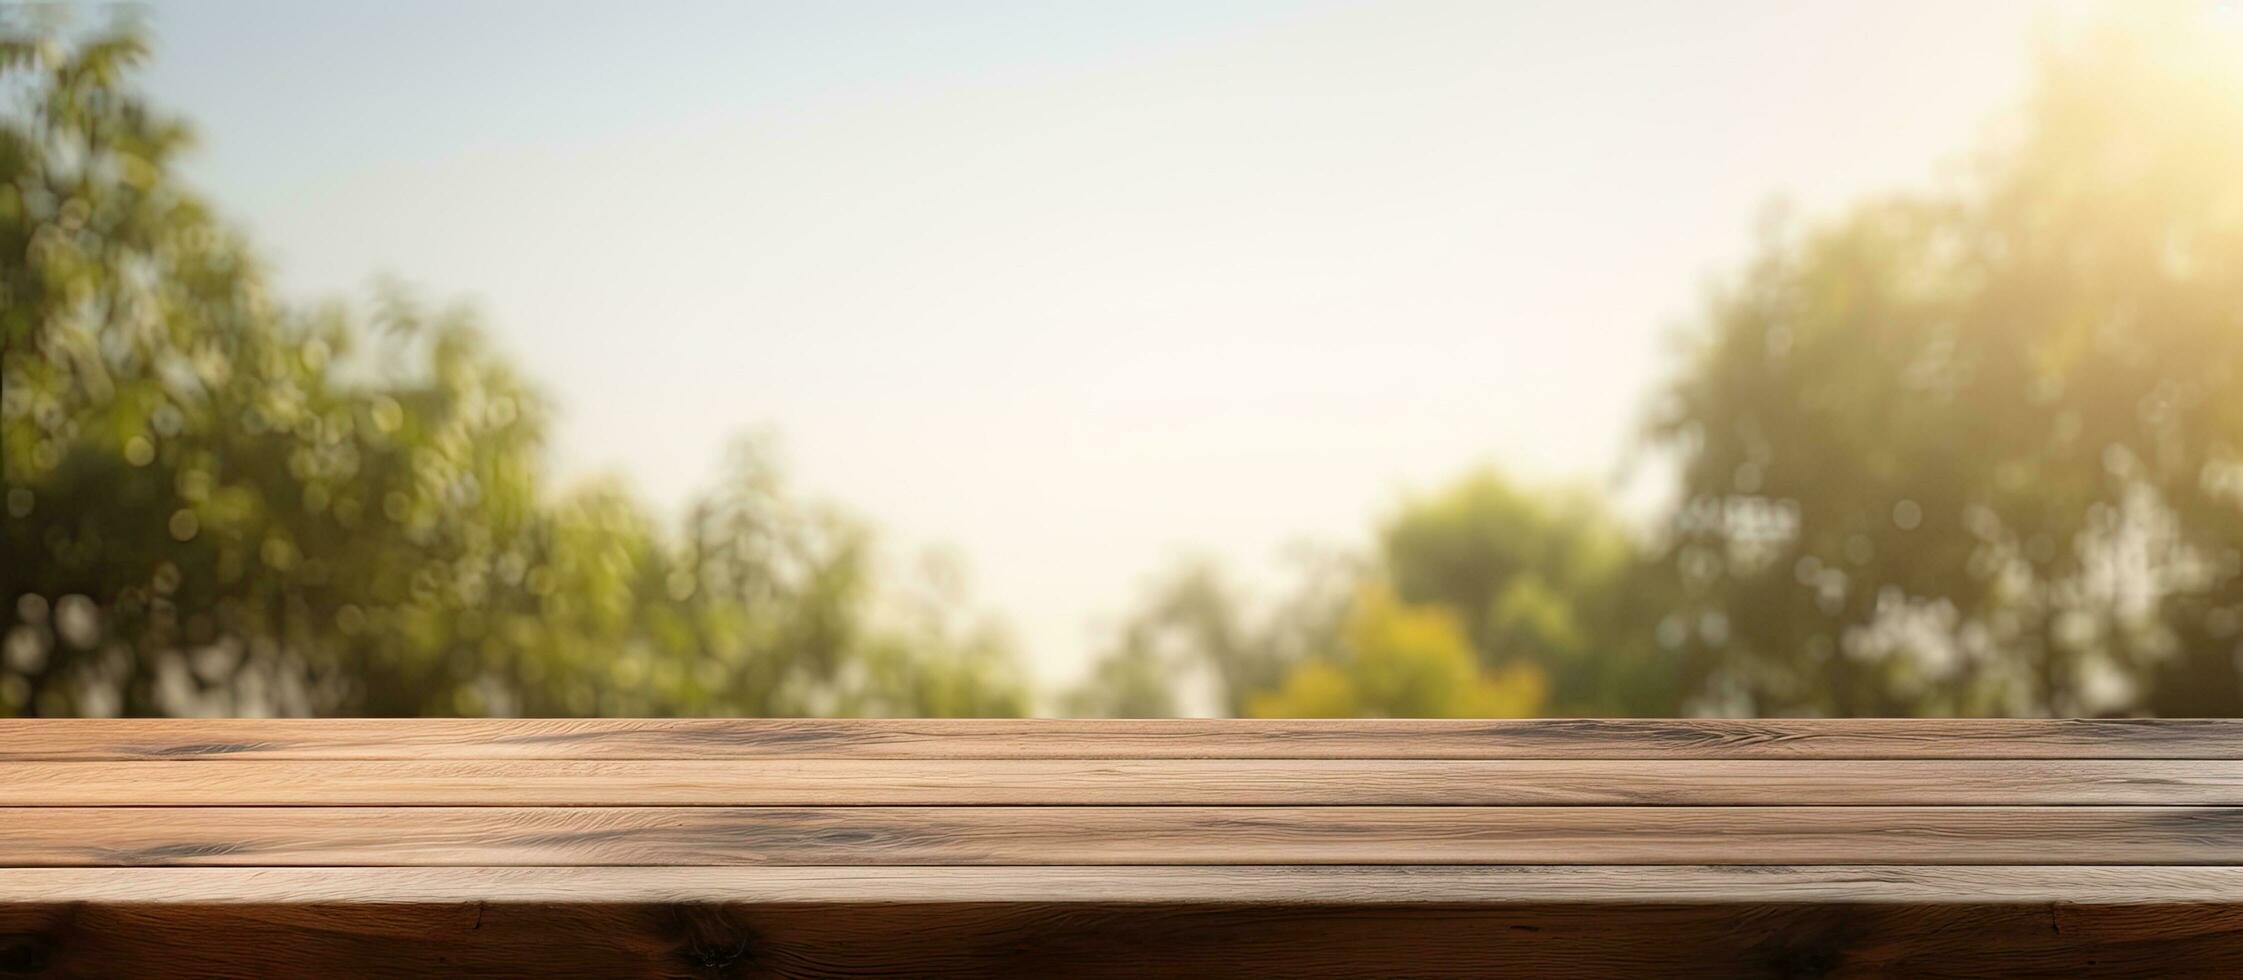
(1246,358)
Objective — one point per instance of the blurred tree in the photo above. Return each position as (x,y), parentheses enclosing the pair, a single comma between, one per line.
(1540,578)
(1972,451)
(1196,632)
(1980,451)
(1402,661)
(1518,600)
(1132,681)
(215,503)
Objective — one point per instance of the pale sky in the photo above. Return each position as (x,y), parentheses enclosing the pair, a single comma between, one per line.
(1073,289)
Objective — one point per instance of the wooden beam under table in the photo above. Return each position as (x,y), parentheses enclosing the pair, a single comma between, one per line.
(1559,939)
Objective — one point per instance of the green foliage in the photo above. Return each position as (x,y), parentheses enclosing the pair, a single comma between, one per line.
(1402,661)
(1547,579)
(1484,598)
(219,503)
(1195,630)
(1977,451)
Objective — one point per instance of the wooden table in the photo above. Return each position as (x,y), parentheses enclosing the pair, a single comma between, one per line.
(1128,848)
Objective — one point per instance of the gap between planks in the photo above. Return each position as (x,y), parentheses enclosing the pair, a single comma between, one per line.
(1228,782)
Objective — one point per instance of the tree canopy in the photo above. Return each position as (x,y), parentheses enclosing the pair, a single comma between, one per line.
(221,502)
(1971,449)
(1976,450)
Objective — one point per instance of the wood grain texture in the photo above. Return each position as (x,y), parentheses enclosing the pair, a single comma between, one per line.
(213,739)
(1238,782)
(1555,940)
(385,836)
(1168,848)
(1335,885)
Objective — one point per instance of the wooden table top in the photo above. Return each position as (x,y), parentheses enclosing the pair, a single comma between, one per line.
(1935,837)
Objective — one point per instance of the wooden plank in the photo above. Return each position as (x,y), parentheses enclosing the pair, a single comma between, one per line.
(497,939)
(1246,782)
(1331,885)
(206,739)
(302,836)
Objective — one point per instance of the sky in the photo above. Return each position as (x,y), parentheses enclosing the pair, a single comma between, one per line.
(1075,290)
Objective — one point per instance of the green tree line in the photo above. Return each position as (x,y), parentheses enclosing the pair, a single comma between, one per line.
(1969,449)
(220,502)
